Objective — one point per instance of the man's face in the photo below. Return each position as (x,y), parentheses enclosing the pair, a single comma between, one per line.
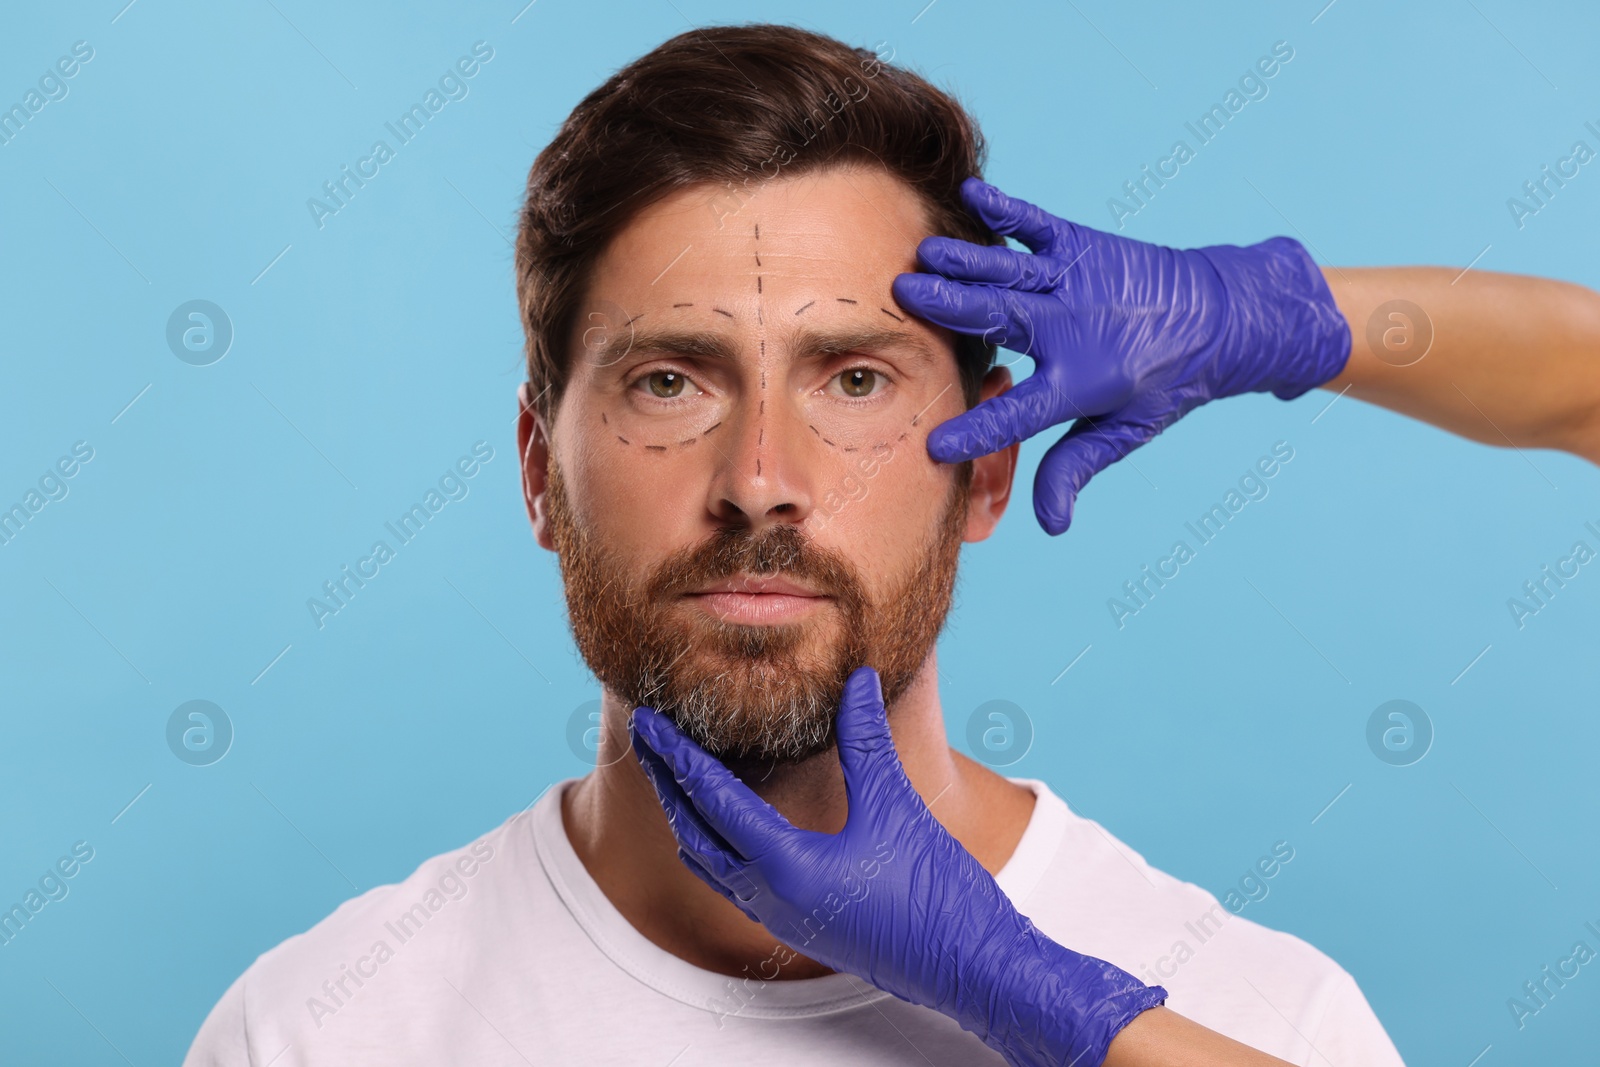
(738,482)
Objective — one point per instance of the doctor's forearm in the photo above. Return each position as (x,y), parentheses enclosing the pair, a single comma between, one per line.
(1161,1037)
(1506,359)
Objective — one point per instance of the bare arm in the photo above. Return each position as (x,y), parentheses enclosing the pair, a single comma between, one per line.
(1509,359)
(1163,1038)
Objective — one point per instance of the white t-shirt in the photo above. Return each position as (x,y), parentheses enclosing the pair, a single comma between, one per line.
(507,952)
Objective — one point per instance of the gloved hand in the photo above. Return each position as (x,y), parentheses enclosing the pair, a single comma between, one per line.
(1127,337)
(892,897)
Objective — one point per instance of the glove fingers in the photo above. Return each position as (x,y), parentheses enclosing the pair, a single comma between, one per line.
(866,747)
(691,861)
(997,423)
(694,836)
(1028,223)
(989,264)
(1087,449)
(974,309)
(727,806)
(862,726)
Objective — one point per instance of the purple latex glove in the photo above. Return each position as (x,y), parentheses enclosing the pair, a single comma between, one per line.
(892,897)
(1127,337)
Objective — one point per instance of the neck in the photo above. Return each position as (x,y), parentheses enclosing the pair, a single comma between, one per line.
(619,831)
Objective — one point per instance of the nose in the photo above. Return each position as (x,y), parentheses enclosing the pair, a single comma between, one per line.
(766,467)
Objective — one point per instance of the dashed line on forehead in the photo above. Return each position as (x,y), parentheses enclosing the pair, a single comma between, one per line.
(761,321)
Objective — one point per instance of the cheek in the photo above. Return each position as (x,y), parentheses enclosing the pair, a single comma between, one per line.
(880,508)
(635,501)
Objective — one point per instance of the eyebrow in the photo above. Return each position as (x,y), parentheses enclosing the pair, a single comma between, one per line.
(805,343)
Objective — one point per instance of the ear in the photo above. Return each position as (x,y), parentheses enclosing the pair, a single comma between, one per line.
(533,445)
(991,474)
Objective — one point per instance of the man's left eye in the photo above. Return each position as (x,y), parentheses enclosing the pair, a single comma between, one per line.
(858,381)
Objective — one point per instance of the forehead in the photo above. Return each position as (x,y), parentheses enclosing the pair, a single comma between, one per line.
(847,226)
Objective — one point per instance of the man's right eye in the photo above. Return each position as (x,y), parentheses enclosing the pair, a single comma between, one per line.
(665,383)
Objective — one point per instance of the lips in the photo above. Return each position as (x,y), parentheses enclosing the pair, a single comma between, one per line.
(758,601)
(775,586)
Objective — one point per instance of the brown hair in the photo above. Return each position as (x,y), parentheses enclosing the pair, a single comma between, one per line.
(730,105)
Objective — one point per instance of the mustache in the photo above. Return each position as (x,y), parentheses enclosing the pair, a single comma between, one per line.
(731,551)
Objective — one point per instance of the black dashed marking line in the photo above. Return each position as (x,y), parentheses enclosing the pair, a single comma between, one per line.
(758,281)
(851,449)
(891,314)
(813,429)
(719,311)
(915,419)
(758,231)
(758,259)
(683,305)
(763,407)
(758,466)
(708,430)
(845,300)
(623,439)
(761,435)
(827,442)
(604,419)
(688,441)
(802,307)
(656,448)
(635,319)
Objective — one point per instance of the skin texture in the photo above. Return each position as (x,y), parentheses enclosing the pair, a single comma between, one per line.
(779,451)
(1514,360)
(1161,1037)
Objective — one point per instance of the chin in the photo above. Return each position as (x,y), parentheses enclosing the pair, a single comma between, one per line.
(754,709)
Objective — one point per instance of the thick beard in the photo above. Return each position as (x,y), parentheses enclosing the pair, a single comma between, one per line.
(751,694)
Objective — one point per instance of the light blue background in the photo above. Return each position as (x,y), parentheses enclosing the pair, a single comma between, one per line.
(376,350)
